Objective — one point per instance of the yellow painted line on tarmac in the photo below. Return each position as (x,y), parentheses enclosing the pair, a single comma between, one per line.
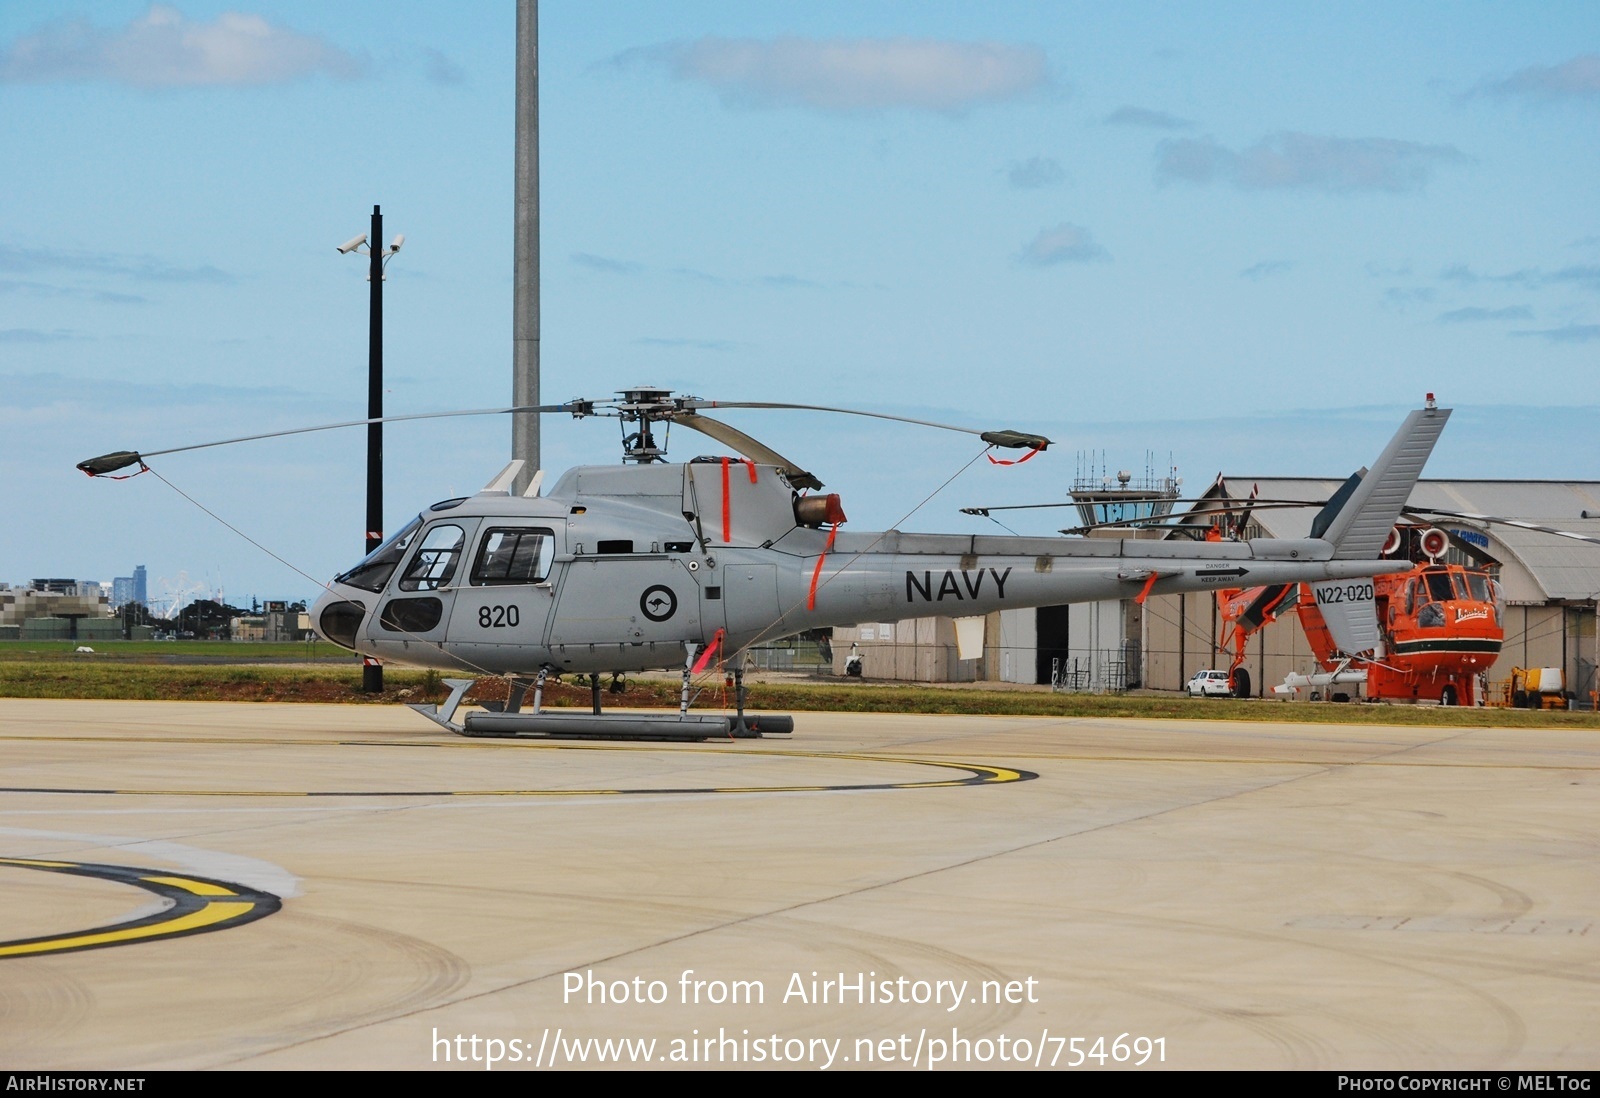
(186,924)
(199,888)
(196,908)
(32,863)
(1091,758)
(980,774)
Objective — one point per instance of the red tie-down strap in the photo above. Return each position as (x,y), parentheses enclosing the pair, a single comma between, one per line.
(143,468)
(816,573)
(711,650)
(727,505)
(727,497)
(1013,461)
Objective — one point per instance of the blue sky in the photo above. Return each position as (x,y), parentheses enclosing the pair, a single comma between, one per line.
(1245,235)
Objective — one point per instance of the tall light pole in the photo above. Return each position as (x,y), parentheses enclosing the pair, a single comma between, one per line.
(525,277)
(372,670)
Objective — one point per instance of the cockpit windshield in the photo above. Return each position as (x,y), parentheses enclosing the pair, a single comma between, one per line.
(435,561)
(374,571)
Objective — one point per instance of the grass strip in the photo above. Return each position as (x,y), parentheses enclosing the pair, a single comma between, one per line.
(84,679)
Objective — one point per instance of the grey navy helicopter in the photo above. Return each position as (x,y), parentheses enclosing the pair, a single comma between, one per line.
(650,565)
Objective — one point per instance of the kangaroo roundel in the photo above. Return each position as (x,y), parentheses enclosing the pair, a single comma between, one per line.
(658,602)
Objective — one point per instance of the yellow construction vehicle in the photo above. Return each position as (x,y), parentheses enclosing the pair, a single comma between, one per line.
(1536,688)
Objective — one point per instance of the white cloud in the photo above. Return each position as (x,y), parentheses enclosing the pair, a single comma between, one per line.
(1266,269)
(1474,313)
(163,49)
(688,344)
(442,70)
(1586,275)
(1572,333)
(1308,162)
(853,75)
(16,260)
(1063,244)
(1405,296)
(605,263)
(1035,172)
(33,335)
(1148,119)
(1577,78)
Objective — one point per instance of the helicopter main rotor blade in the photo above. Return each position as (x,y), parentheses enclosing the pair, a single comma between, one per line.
(1179,520)
(1217,506)
(668,410)
(1426,512)
(1015,440)
(121,459)
(1166,522)
(749,447)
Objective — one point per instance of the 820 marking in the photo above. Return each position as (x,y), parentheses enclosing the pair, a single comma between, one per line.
(499,617)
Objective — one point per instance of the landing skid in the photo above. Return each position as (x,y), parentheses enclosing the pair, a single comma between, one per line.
(504,719)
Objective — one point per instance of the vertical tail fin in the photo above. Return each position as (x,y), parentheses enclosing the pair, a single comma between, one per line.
(1357,520)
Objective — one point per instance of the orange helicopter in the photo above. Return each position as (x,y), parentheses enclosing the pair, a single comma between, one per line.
(1439,626)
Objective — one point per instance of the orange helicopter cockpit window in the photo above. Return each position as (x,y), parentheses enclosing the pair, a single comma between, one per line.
(1478,583)
(1439,587)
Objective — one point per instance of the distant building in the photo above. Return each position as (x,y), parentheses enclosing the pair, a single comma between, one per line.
(276,623)
(54,586)
(56,609)
(134,588)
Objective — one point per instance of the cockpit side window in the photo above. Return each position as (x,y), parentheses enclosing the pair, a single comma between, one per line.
(374,571)
(435,561)
(512,555)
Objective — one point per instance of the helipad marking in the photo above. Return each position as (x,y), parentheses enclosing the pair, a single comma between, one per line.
(199,906)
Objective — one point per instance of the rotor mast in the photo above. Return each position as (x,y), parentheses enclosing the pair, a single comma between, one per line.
(644,406)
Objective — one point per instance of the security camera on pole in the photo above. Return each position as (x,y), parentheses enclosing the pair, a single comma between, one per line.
(372,670)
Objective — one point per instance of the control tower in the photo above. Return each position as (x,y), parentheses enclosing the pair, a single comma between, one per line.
(1102,498)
